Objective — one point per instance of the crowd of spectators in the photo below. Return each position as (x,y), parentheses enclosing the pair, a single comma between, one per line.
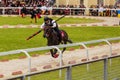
(27,3)
(107,10)
(44,7)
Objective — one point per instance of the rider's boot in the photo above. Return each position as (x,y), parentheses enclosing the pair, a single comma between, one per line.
(59,36)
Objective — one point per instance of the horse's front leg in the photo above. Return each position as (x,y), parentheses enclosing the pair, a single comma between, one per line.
(52,53)
(55,55)
(55,51)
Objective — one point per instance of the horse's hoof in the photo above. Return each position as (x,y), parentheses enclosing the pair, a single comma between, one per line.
(56,55)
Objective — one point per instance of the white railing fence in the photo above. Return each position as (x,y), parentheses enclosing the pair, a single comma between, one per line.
(61,11)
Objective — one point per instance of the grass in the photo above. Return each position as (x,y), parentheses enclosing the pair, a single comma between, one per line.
(16,37)
(27,21)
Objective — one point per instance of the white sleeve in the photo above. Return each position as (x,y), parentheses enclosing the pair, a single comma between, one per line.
(54,24)
(42,26)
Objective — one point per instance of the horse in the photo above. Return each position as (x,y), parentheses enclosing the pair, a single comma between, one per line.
(53,39)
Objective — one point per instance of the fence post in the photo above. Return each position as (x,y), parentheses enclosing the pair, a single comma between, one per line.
(105,69)
(87,54)
(68,73)
(29,63)
(19,10)
(110,49)
(3,12)
(22,78)
(60,52)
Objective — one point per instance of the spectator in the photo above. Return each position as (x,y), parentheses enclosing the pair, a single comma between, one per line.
(23,12)
(100,11)
(44,9)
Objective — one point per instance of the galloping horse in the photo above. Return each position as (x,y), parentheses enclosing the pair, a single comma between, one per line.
(53,39)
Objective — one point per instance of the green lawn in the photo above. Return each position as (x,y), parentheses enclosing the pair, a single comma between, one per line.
(15,38)
(17,20)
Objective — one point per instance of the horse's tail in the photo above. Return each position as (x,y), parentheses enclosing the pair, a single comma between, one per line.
(70,41)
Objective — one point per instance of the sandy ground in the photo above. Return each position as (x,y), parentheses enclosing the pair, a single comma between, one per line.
(39,62)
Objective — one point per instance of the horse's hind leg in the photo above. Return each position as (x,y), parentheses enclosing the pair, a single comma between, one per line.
(64,47)
(65,42)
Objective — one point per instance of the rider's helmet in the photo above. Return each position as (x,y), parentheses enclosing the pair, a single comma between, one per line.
(46,18)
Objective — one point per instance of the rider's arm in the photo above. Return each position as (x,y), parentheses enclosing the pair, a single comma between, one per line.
(54,24)
(42,26)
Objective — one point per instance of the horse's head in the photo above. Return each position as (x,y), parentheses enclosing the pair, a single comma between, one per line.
(48,31)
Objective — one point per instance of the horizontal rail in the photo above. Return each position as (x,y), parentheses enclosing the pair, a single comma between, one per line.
(101,40)
(55,8)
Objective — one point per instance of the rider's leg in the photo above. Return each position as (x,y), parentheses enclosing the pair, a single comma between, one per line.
(58,33)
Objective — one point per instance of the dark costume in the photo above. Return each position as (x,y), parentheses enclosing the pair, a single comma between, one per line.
(23,12)
(34,15)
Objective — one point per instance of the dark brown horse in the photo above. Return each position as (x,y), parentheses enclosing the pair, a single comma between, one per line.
(53,39)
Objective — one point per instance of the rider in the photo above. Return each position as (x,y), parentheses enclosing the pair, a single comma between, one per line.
(52,23)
